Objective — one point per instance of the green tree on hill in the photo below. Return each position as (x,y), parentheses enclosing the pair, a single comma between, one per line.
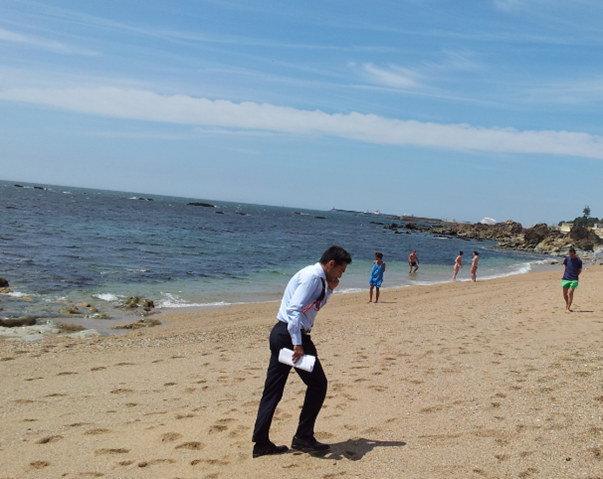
(586,220)
(581,232)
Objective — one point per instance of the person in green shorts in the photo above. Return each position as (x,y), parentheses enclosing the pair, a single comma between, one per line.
(569,283)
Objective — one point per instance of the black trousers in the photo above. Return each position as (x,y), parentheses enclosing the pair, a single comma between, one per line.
(276,377)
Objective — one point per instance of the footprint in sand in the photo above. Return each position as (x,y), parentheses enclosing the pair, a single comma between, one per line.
(192,446)
(333,475)
(98,368)
(49,439)
(529,472)
(239,430)
(122,391)
(155,461)
(431,409)
(66,373)
(379,389)
(157,413)
(211,462)
(96,432)
(39,464)
(121,450)
(185,416)
(78,424)
(170,436)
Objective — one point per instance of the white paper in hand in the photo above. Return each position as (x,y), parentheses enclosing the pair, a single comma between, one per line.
(306,362)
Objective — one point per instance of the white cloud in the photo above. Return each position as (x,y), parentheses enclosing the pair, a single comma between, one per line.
(574,91)
(53,46)
(180,109)
(423,77)
(394,76)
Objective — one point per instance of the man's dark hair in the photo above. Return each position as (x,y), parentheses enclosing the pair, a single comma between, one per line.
(337,254)
(572,250)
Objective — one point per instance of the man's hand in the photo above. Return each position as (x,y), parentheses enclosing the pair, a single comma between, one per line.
(332,283)
(298,352)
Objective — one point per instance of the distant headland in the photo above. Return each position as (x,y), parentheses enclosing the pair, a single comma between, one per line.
(540,238)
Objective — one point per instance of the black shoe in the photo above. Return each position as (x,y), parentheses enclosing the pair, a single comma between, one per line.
(267,449)
(308,445)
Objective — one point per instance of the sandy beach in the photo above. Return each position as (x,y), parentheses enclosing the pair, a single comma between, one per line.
(458,380)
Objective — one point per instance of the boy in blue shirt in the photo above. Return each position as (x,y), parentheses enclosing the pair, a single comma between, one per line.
(569,283)
(376,278)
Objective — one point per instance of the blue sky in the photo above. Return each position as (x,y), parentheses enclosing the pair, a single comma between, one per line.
(456,109)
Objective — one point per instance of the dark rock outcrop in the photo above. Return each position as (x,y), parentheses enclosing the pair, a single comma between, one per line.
(134,302)
(70,310)
(17,322)
(3,283)
(539,238)
(583,238)
(143,323)
(199,203)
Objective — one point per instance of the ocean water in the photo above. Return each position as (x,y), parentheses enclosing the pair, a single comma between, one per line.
(101,247)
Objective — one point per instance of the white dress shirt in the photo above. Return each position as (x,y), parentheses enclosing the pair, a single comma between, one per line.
(303,289)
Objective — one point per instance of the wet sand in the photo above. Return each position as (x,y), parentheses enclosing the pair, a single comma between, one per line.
(460,380)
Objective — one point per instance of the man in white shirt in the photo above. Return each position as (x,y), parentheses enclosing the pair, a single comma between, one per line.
(306,292)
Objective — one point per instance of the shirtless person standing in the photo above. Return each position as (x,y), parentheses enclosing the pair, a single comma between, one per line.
(413,262)
(458,264)
(474,266)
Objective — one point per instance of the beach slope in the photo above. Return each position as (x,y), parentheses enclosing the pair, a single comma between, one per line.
(459,380)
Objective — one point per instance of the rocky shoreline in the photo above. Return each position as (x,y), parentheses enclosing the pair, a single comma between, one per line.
(70,318)
(539,238)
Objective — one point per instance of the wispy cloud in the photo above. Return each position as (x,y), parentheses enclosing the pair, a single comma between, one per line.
(40,43)
(570,92)
(423,76)
(393,76)
(180,109)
